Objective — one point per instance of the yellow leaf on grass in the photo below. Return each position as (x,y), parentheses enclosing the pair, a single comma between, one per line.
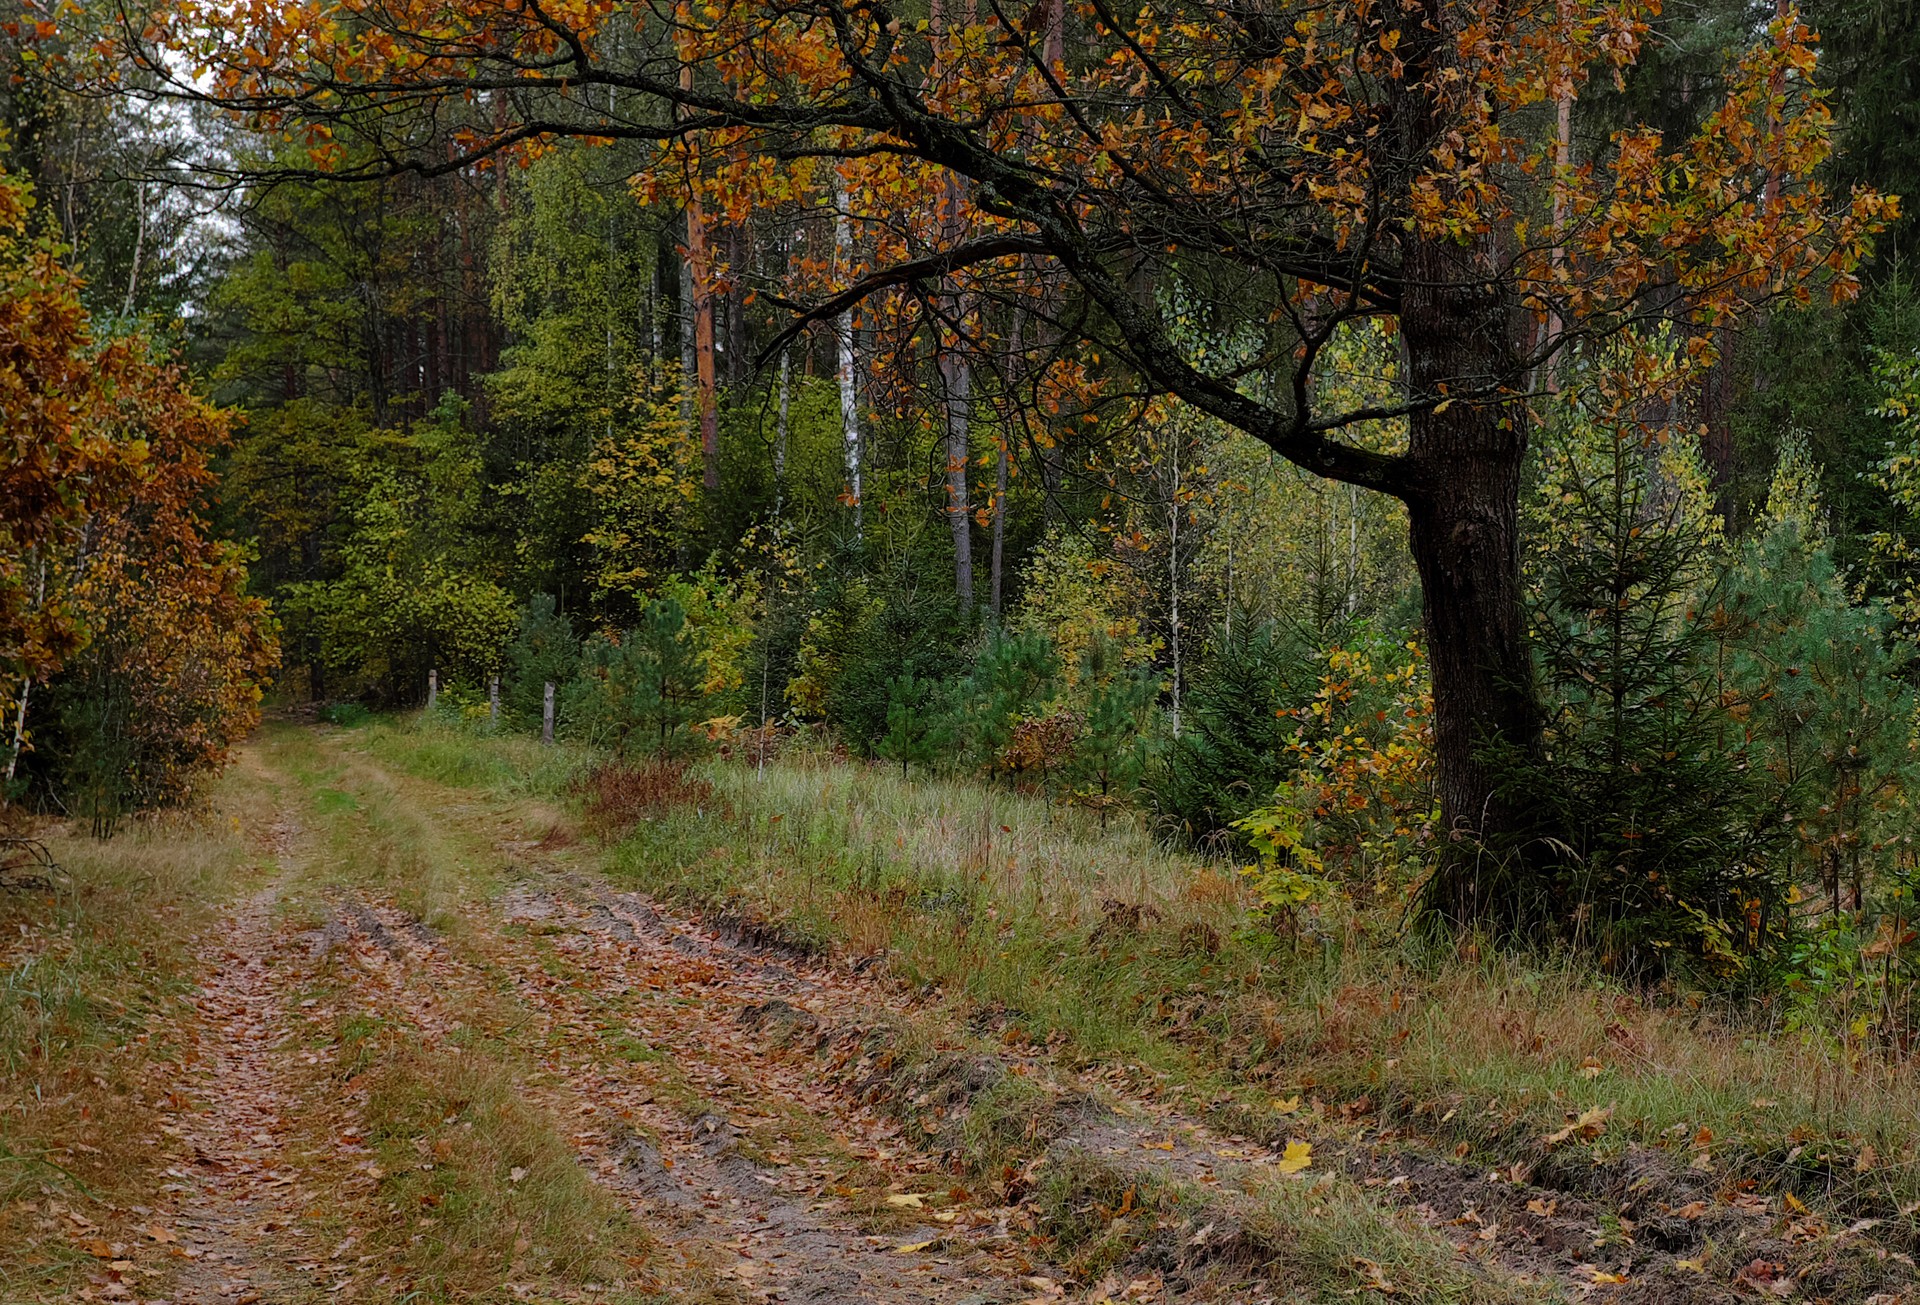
(1794,1204)
(1286,1105)
(913,1248)
(910,1199)
(1590,1124)
(1297,1156)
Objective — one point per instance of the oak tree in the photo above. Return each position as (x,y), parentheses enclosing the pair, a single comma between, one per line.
(1293,167)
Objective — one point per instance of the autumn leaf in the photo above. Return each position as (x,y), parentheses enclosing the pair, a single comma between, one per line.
(1589,1125)
(1297,1156)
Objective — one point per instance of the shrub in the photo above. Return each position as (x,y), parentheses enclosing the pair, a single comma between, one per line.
(618,795)
(642,689)
(544,651)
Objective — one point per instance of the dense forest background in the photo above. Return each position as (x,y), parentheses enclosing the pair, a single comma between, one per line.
(533,424)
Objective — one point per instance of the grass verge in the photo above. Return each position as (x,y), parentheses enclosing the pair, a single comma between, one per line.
(1124,953)
(94,973)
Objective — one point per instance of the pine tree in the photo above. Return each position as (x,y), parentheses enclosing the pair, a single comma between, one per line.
(913,736)
(545,651)
(1232,752)
(1651,807)
(644,686)
(1014,677)
(1110,754)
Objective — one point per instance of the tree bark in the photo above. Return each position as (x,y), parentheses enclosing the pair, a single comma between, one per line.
(700,268)
(700,274)
(1466,458)
(957,382)
(847,371)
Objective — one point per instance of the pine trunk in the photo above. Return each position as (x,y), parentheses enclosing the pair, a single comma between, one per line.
(700,265)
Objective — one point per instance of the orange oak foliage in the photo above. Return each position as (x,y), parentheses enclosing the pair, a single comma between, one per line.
(109,573)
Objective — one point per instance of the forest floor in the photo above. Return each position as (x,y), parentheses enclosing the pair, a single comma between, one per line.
(390,1025)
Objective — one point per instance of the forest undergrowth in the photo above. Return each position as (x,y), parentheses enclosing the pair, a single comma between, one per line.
(415,1012)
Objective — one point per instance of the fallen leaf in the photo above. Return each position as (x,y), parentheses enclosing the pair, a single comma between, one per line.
(1374,1277)
(911,1200)
(1286,1105)
(516,1174)
(914,1248)
(1590,1124)
(1297,1156)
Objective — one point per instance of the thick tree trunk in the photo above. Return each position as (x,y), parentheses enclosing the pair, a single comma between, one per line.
(1465,536)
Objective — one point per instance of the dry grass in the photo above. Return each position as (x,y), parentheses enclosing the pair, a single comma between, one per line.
(1146,957)
(617,795)
(92,976)
(486,1192)
(1146,963)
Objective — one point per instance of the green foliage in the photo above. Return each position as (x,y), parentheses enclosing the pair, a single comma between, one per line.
(640,691)
(1651,805)
(1822,691)
(1013,679)
(1231,752)
(545,651)
(721,613)
(641,473)
(414,588)
(1896,548)
(914,735)
(1077,598)
(863,632)
(1111,753)
(1286,876)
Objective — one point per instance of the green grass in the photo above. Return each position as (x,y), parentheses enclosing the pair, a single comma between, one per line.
(1130,954)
